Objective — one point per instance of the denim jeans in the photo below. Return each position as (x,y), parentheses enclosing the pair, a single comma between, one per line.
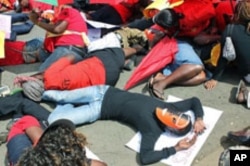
(24,25)
(49,58)
(16,147)
(79,105)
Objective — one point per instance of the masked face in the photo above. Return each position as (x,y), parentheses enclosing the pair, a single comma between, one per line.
(172,119)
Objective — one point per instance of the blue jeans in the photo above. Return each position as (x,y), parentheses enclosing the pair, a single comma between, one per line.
(21,28)
(49,58)
(80,105)
(17,146)
(185,55)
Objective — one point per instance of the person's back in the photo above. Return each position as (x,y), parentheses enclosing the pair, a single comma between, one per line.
(240,35)
(102,67)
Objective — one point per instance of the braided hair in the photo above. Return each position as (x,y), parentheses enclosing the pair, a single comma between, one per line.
(60,146)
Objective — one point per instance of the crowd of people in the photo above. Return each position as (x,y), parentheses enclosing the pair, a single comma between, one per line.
(79,75)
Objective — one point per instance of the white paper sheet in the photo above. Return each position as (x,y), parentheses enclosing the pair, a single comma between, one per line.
(5,25)
(186,157)
(91,155)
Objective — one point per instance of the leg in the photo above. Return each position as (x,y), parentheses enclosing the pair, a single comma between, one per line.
(57,54)
(23,28)
(187,74)
(187,69)
(86,113)
(77,96)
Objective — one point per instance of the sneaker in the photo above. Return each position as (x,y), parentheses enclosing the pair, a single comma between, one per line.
(3,137)
(4,91)
(11,122)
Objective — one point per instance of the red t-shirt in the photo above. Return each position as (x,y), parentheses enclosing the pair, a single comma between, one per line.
(21,125)
(125,9)
(75,23)
(223,8)
(197,15)
(63,75)
(13,53)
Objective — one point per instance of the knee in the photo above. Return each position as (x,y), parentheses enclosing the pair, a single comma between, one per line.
(201,77)
(198,68)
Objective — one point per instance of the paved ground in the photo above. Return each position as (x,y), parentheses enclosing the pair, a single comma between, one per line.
(107,138)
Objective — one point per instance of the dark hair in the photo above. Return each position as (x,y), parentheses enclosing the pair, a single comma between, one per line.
(242,13)
(60,146)
(181,132)
(167,18)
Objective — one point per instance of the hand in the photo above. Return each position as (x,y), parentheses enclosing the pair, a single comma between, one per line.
(34,17)
(210,84)
(199,126)
(185,143)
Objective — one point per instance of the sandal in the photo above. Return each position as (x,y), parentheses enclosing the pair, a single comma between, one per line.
(241,89)
(154,92)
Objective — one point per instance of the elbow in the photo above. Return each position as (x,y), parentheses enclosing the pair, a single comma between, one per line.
(144,160)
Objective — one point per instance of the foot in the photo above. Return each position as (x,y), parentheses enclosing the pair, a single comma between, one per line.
(242,92)
(153,91)
(240,136)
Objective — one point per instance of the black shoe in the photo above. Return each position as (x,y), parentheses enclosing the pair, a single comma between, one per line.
(241,136)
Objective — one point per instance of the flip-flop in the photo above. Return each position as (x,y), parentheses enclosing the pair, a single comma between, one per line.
(154,92)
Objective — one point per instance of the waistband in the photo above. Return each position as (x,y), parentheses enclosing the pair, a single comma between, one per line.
(79,50)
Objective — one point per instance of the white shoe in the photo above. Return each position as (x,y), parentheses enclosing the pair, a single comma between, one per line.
(4,91)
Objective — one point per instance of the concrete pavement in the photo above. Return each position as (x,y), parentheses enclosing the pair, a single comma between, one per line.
(107,139)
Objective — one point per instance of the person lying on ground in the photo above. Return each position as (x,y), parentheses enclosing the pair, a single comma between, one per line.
(145,114)
(102,67)
(32,143)
(20,52)
(240,29)
(17,105)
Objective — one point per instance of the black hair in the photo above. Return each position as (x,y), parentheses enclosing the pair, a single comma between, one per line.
(181,132)
(167,18)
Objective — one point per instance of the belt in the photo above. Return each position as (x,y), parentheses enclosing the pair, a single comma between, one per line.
(79,50)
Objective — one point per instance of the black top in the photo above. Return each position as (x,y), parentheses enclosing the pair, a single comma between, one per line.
(241,40)
(137,110)
(113,60)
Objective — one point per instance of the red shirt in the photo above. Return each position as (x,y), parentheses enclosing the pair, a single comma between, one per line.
(21,125)
(13,53)
(197,15)
(223,8)
(75,23)
(125,9)
(63,75)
